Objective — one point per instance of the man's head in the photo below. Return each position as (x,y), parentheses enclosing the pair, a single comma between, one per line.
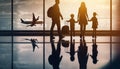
(57,1)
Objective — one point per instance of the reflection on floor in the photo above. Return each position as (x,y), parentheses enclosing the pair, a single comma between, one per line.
(26,58)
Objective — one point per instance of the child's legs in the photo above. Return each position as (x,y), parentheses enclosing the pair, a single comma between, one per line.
(94,31)
(72,31)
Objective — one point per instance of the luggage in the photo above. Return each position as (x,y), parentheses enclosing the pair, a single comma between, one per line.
(65,30)
(65,43)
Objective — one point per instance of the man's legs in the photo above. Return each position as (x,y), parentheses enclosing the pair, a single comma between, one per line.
(51,30)
(58,29)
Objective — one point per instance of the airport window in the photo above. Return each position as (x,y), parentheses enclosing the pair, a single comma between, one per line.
(17,33)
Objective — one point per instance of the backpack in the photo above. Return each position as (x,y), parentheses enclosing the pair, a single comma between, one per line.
(50,12)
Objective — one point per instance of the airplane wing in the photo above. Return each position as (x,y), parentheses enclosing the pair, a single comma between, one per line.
(39,22)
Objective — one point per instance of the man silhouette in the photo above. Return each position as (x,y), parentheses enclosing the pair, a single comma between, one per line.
(55,57)
(56,19)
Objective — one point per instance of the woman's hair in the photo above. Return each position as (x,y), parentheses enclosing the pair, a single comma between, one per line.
(83,4)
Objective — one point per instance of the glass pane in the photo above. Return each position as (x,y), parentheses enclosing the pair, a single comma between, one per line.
(25,58)
(115,50)
(5,39)
(27,39)
(116,39)
(115,11)
(5,56)
(24,9)
(5,14)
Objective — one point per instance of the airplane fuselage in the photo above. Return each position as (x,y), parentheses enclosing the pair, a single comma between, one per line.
(31,22)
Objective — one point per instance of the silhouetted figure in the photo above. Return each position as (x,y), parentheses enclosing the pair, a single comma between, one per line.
(82,55)
(72,51)
(55,58)
(33,41)
(72,24)
(94,52)
(94,23)
(82,18)
(56,19)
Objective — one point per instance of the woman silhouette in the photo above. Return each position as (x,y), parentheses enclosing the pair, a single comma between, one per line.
(82,18)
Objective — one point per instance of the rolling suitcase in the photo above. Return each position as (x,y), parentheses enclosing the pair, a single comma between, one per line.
(65,43)
(65,30)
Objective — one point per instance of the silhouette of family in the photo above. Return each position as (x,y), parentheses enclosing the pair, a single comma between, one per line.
(82,18)
(82,53)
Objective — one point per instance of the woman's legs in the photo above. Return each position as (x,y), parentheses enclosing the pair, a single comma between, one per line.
(81,32)
(84,29)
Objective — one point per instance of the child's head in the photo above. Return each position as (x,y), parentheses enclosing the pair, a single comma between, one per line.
(72,15)
(94,13)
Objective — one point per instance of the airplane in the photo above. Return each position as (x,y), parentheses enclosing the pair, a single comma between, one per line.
(33,22)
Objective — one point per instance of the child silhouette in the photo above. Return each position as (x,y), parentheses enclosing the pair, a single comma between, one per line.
(94,23)
(72,24)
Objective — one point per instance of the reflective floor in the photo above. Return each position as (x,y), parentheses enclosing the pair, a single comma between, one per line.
(25,58)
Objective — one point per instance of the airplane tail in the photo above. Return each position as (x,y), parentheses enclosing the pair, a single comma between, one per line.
(37,18)
(22,20)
